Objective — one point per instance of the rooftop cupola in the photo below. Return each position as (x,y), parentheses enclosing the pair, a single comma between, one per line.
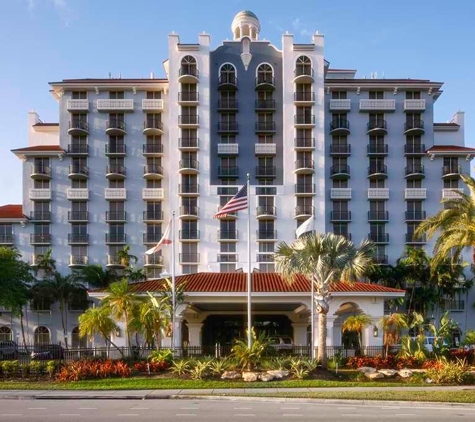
(245,24)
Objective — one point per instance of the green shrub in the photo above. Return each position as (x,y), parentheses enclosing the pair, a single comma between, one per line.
(51,368)
(35,368)
(181,367)
(158,356)
(218,366)
(198,371)
(10,368)
(469,338)
(413,348)
(25,370)
(249,358)
(450,372)
(298,368)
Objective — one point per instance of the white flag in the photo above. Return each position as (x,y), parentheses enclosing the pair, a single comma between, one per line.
(306,226)
(165,240)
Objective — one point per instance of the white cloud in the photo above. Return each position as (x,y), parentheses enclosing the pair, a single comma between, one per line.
(61,7)
(300,27)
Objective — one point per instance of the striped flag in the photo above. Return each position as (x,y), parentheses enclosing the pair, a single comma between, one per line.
(237,203)
(165,240)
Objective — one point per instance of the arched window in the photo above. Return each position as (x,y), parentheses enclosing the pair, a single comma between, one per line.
(188,66)
(265,74)
(303,66)
(42,336)
(76,341)
(5,333)
(227,74)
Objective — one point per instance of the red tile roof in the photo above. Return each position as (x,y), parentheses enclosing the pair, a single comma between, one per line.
(451,148)
(45,124)
(446,124)
(262,283)
(109,80)
(11,211)
(40,148)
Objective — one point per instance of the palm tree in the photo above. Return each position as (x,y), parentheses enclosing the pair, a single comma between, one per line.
(324,259)
(154,318)
(95,275)
(454,224)
(356,324)
(392,326)
(47,263)
(125,257)
(135,274)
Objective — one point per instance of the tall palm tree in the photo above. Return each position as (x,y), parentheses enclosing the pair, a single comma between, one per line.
(95,275)
(135,274)
(392,326)
(47,263)
(125,257)
(356,324)
(324,259)
(154,318)
(454,224)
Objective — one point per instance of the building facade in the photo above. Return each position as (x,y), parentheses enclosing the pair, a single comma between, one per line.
(364,157)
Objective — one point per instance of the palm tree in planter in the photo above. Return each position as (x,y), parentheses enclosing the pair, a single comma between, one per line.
(392,326)
(47,263)
(135,274)
(95,275)
(356,324)
(324,259)
(125,257)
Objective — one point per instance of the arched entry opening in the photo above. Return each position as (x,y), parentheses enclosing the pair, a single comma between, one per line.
(42,336)
(349,340)
(5,333)
(76,341)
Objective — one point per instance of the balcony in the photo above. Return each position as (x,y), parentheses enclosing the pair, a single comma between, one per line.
(304,166)
(304,98)
(415,215)
(414,127)
(116,127)
(377,127)
(225,257)
(304,75)
(78,216)
(230,127)
(381,238)
(188,75)
(266,212)
(414,105)
(6,239)
(78,149)
(378,193)
(151,238)
(304,211)
(152,172)
(40,216)
(111,105)
(265,127)
(189,258)
(410,239)
(377,105)
(451,171)
(265,149)
(188,121)
(188,189)
(40,239)
(227,105)
(453,305)
(228,235)
(114,262)
(152,150)
(453,193)
(77,105)
(152,127)
(228,149)
(188,166)
(265,82)
(40,194)
(378,216)
(78,171)
(152,105)
(152,216)
(191,235)
(40,172)
(340,149)
(377,149)
(153,260)
(340,216)
(78,128)
(305,189)
(415,193)
(265,258)
(116,238)
(78,239)
(340,193)
(189,211)
(340,171)
(115,194)
(116,216)
(228,171)
(380,259)
(115,171)
(116,150)
(414,171)
(414,149)
(77,261)
(378,171)
(266,171)
(188,144)
(265,105)
(227,82)
(340,105)
(264,235)
(304,121)
(304,144)
(77,194)
(188,98)
(346,235)
(339,127)
(153,194)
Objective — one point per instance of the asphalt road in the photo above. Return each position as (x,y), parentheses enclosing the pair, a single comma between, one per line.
(227,411)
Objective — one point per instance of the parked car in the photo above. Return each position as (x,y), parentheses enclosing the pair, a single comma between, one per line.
(8,350)
(47,352)
(282,343)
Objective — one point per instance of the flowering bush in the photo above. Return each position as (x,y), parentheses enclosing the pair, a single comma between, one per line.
(91,369)
(145,366)
(378,362)
(468,355)
(450,372)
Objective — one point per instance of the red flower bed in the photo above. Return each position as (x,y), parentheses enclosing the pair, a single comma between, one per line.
(144,366)
(93,369)
(378,362)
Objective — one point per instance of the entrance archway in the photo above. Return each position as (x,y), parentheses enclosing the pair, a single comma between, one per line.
(348,340)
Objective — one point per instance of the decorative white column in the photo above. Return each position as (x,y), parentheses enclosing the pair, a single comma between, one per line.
(194,334)
(300,333)
(177,332)
(330,325)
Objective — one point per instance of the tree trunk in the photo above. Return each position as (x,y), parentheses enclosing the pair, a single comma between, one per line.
(63,323)
(107,339)
(322,337)
(22,329)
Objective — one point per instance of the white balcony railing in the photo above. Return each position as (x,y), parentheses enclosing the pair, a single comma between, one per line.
(266,149)
(378,193)
(77,105)
(115,193)
(377,105)
(414,105)
(152,105)
(415,193)
(115,105)
(340,193)
(40,194)
(76,193)
(340,105)
(153,193)
(228,148)
(451,193)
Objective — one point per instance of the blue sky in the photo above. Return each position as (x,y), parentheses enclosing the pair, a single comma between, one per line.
(50,40)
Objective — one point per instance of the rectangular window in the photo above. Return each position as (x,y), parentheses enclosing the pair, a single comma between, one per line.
(376,95)
(79,95)
(339,95)
(154,95)
(116,95)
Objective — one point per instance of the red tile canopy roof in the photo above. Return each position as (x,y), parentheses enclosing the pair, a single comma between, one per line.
(39,148)
(261,282)
(11,211)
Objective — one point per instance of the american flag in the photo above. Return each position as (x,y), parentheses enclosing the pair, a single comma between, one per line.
(237,203)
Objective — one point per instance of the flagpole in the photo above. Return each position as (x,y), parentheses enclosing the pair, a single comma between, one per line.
(312,350)
(249,283)
(173,282)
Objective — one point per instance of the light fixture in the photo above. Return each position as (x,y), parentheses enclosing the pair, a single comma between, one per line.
(375,331)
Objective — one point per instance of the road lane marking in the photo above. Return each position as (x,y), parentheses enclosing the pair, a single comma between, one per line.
(243,408)
(87,408)
(69,414)
(244,414)
(189,408)
(290,408)
(185,414)
(405,414)
(292,415)
(127,414)
(37,408)
(11,414)
(139,408)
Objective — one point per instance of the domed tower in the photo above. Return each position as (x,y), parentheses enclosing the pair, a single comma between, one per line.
(245,24)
